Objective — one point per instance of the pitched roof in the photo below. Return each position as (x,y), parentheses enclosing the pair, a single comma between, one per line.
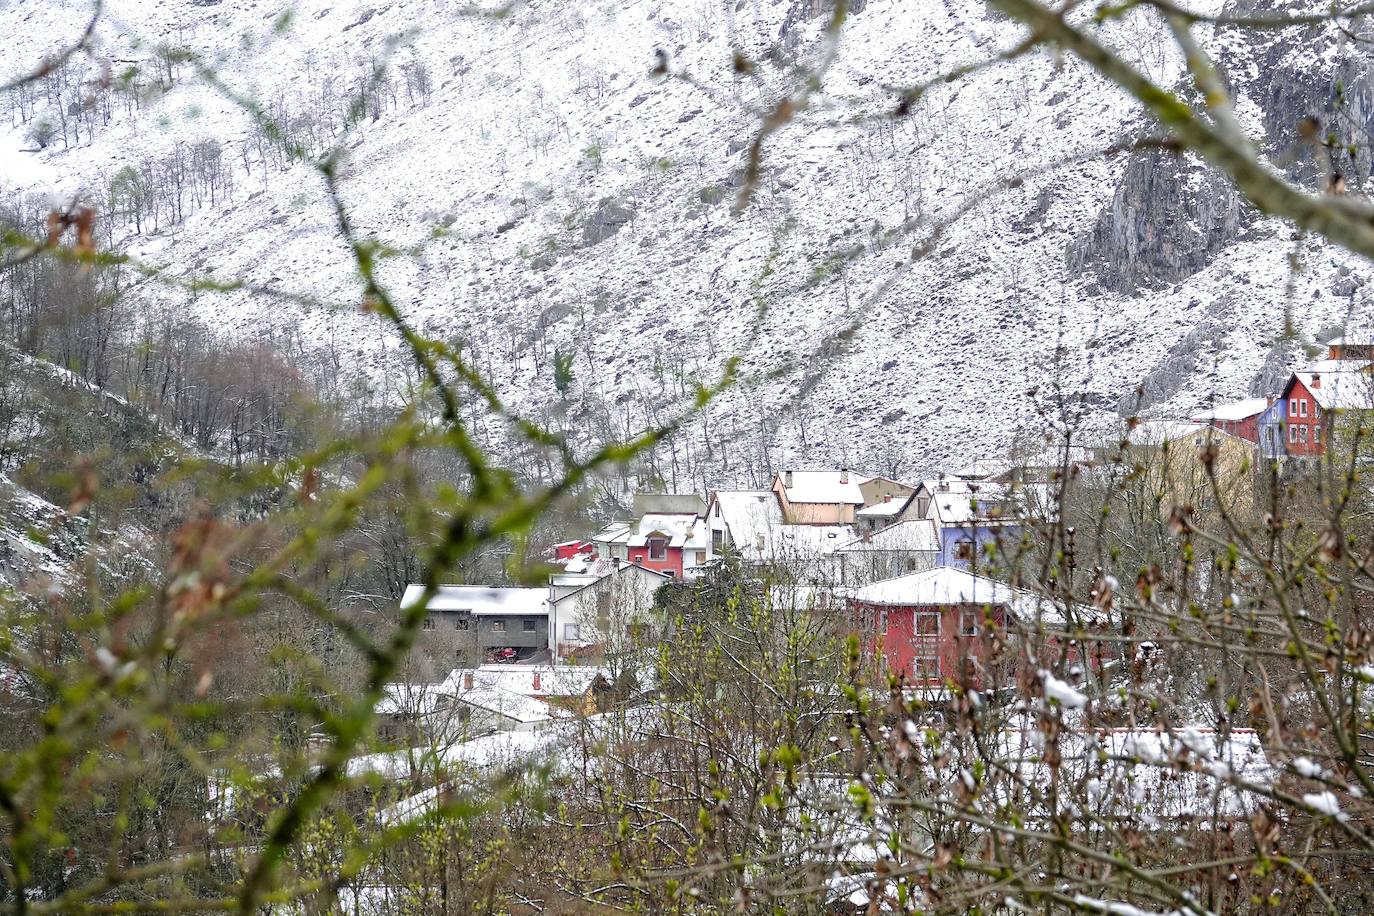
(917,534)
(613,533)
(958,502)
(554,680)
(481,599)
(1157,432)
(1235,410)
(823,487)
(681,530)
(1337,390)
(883,509)
(951,585)
(941,585)
(750,515)
(1346,338)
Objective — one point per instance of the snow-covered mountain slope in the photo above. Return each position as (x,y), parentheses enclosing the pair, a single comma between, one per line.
(584,204)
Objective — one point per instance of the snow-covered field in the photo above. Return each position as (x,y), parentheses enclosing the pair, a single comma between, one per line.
(585,205)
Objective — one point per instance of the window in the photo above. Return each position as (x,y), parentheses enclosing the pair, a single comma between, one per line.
(461,622)
(1292,434)
(923,506)
(911,564)
(572,631)
(639,559)
(882,622)
(1293,407)
(658,548)
(1317,435)
(527,625)
(717,539)
(1302,408)
(963,549)
(925,646)
(429,622)
(968,622)
(498,626)
(1302,433)
(701,557)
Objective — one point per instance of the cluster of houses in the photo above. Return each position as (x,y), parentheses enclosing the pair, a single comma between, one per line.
(1299,420)
(899,560)
(838,539)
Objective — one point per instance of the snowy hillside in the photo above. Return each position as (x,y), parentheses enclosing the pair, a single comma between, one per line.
(563,197)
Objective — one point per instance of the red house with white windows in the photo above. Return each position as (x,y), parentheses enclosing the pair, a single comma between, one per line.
(1312,401)
(933,626)
(675,543)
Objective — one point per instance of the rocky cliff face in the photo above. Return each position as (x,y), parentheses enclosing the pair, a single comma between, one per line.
(1168,217)
(585,204)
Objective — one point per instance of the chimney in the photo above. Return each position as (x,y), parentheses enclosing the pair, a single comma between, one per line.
(887,497)
(536,682)
(787,479)
(844,475)
(1316,380)
(467,680)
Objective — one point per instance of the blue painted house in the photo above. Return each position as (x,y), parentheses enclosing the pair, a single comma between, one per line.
(1272,423)
(968,515)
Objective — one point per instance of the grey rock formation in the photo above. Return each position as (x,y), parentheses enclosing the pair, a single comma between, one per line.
(610,215)
(1167,218)
(1192,355)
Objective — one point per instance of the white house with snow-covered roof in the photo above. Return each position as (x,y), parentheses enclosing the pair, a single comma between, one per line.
(900,548)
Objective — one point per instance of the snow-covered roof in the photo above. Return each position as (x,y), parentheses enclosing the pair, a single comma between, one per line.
(481,600)
(519,707)
(1236,410)
(841,487)
(1339,365)
(1157,432)
(917,534)
(885,509)
(750,516)
(1339,390)
(573,579)
(1349,338)
(682,530)
(410,699)
(613,533)
(941,585)
(553,680)
(950,585)
(960,502)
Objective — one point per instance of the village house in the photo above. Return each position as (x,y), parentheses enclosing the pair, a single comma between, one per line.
(1314,402)
(1271,429)
(968,516)
(669,535)
(609,609)
(818,497)
(1350,346)
(749,525)
(468,624)
(1239,418)
(900,548)
(883,498)
(932,626)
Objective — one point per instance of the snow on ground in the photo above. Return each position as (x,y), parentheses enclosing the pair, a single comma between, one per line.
(585,206)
